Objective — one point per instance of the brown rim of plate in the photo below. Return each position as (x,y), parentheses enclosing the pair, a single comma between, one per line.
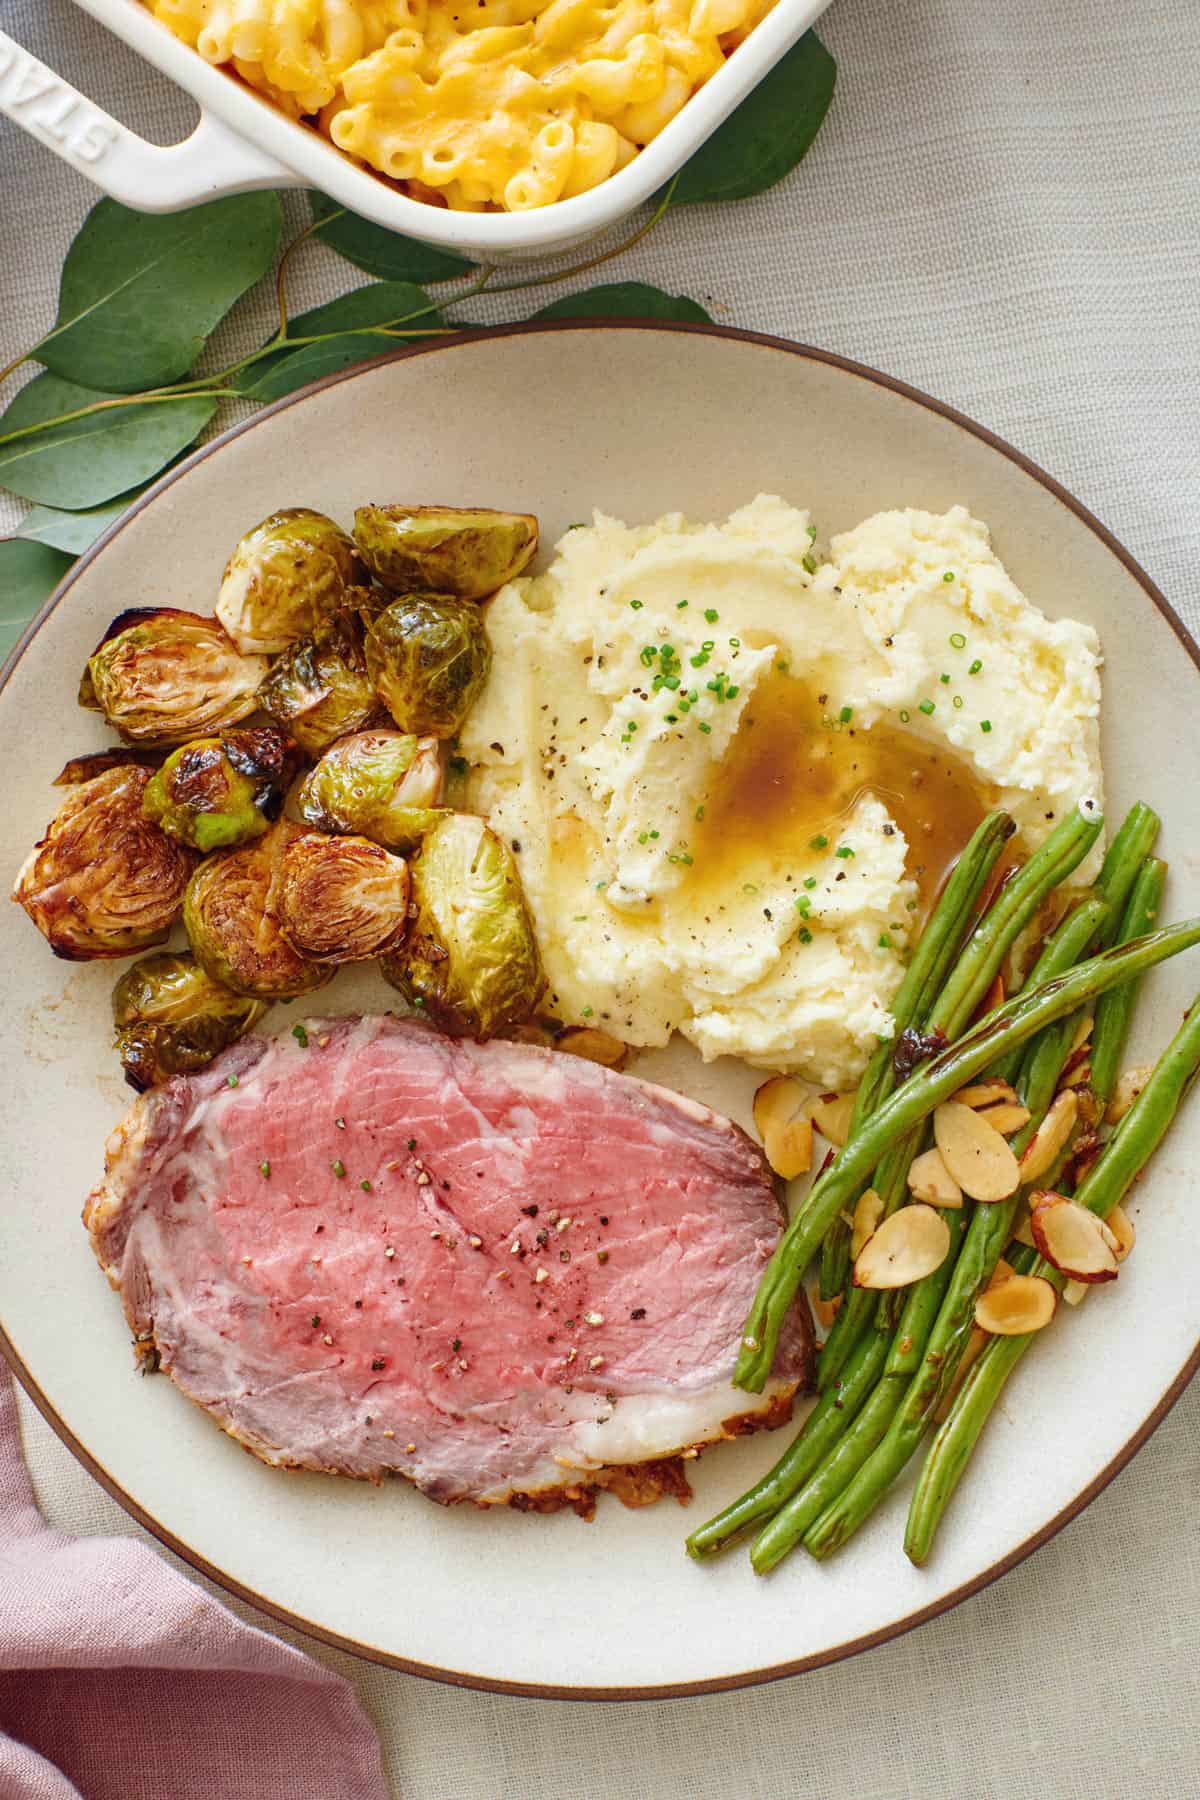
(772,1671)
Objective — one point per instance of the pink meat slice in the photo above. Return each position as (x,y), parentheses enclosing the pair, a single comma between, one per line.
(494,1269)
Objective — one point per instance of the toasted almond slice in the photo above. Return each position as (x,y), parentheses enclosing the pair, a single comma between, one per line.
(976,1155)
(987,1093)
(594,1045)
(1129,1086)
(1003,1271)
(1078,1074)
(1050,1138)
(1023,1303)
(1121,1226)
(1078,1243)
(1076,1292)
(1021,1231)
(783,1115)
(867,1215)
(1083,1033)
(910,1244)
(1089,1106)
(1006,1118)
(929,1179)
(976,1343)
(831,1116)
(994,997)
(825,1311)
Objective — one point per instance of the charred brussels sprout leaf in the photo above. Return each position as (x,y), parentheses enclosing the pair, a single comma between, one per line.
(471,961)
(220,791)
(286,578)
(161,676)
(428,656)
(104,881)
(342,899)
(95,762)
(229,912)
(384,785)
(319,688)
(172,1018)
(444,549)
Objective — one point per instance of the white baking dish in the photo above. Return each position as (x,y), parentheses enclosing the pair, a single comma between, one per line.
(243,142)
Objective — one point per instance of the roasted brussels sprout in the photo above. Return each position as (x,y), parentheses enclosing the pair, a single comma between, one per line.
(95,762)
(229,913)
(445,549)
(161,676)
(172,1018)
(428,656)
(285,579)
(384,785)
(104,881)
(470,961)
(319,689)
(220,791)
(341,899)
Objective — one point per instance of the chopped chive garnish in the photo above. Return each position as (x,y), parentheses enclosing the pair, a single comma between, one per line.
(635,606)
(885,942)
(264,1168)
(704,726)
(642,836)
(812,533)
(735,643)
(803,905)
(811,882)
(679,605)
(365,1186)
(711,614)
(301,1036)
(958,641)
(653,835)
(957,702)
(904,715)
(808,562)
(975,667)
(587,1012)
(805,935)
(820,842)
(843,850)
(231,1081)
(846,714)
(926,707)
(699,814)
(338,1167)
(985,724)
(949,575)
(944,678)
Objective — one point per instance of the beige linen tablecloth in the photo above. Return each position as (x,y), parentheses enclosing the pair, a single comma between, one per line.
(1004,209)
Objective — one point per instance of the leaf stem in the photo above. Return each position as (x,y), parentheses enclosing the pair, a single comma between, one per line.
(98,406)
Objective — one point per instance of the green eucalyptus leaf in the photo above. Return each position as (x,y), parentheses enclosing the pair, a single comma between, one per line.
(140,292)
(769,133)
(98,457)
(381,253)
(623,300)
(383,303)
(74,532)
(29,573)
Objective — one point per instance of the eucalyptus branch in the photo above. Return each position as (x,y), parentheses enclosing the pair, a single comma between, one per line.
(155,398)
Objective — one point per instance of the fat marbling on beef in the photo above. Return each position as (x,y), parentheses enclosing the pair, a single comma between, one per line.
(501,1271)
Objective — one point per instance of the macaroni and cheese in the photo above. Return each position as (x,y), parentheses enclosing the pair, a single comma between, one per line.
(474,104)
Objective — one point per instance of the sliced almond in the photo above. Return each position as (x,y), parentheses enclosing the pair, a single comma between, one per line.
(1083,1033)
(1022,1232)
(867,1215)
(825,1311)
(1021,1304)
(1078,1244)
(594,1045)
(976,1155)
(929,1179)
(1129,1086)
(994,997)
(783,1115)
(831,1116)
(1076,1292)
(1090,1109)
(987,1093)
(976,1343)
(910,1244)
(1051,1137)
(1006,1118)
(1003,1271)
(1121,1226)
(1077,1074)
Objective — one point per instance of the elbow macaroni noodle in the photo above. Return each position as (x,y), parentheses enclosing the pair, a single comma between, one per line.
(474,104)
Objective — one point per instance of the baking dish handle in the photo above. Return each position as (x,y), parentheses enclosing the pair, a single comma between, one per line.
(211,162)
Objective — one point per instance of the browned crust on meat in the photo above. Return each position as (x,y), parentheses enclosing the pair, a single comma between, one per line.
(778,1413)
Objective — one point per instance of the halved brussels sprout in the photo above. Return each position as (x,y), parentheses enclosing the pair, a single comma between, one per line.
(446,549)
(384,785)
(342,899)
(220,791)
(229,913)
(319,688)
(95,762)
(104,881)
(161,676)
(470,961)
(428,656)
(285,579)
(173,1018)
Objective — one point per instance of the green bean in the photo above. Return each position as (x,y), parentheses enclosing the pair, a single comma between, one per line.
(1114,1012)
(1122,862)
(1132,1144)
(1067,844)
(1014,1023)
(828,1419)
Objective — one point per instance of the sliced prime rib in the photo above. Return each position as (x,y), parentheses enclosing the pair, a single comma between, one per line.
(501,1271)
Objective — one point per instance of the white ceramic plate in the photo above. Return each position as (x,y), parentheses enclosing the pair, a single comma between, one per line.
(638,421)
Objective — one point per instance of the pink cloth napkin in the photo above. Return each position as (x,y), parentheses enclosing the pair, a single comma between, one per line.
(121,1680)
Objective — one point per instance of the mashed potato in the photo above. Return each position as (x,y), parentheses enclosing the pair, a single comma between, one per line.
(733,771)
